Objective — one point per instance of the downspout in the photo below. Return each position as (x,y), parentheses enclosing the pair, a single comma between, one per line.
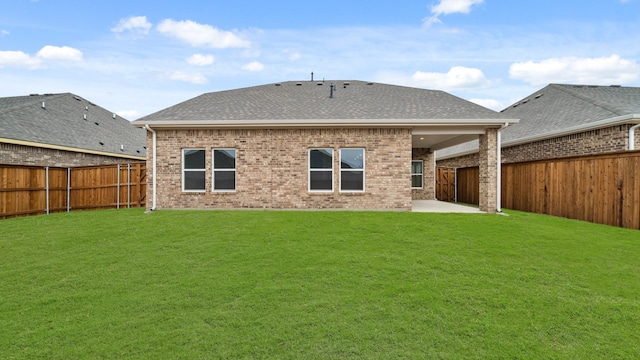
(153,135)
(632,139)
(499,170)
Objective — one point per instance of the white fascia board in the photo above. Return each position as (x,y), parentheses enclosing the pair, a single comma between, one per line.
(297,123)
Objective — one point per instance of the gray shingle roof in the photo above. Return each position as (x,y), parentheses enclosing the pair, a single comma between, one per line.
(62,123)
(558,107)
(310,100)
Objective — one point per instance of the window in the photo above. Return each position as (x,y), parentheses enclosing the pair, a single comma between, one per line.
(352,170)
(193,170)
(416,174)
(321,170)
(224,170)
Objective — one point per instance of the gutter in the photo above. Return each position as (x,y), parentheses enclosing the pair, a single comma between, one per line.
(69,149)
(499,170)
(153,135)
(315,123)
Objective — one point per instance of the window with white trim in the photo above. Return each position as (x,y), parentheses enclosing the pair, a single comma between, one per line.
(224,169)
(321,170)
(352,177)
(193,170)
(417,174)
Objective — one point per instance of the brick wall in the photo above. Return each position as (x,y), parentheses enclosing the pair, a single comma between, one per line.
(272,168)
(600,141)
(29,155)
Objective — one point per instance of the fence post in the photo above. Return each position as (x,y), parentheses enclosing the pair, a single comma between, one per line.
(118,194)
(46,188)
(128,186)
(68,189)
(455,184)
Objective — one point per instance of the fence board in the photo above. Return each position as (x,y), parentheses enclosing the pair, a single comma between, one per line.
(23,189)
(603,189)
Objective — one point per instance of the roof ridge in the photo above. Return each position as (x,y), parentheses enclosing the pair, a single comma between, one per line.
(36,98)
(566,88)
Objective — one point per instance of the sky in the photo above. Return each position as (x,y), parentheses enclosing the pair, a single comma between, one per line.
(137,57)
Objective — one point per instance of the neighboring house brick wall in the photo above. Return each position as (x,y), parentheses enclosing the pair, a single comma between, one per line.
(272,168)
(30,155)
(599,141)
(428,192)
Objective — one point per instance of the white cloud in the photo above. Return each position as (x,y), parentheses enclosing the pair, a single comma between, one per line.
(64,53)
(253,66)
(488,103)
(200,35)
(594,71)
(19,59)
(446,7)
(129,114)
(134,24)
(457,78)
(294,56)
(194,78)
(200,60)
(4,32)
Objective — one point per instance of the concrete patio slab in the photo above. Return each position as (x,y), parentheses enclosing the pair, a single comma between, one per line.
(442,207)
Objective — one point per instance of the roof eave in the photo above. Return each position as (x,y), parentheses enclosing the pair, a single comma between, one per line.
(297,123)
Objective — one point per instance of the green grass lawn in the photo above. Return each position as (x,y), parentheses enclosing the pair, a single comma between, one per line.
(316,285)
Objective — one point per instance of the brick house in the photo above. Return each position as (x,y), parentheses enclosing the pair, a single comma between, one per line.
(312,145)
(560,121)
(65,130)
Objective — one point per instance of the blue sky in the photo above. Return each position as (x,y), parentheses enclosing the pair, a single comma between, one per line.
(138,57)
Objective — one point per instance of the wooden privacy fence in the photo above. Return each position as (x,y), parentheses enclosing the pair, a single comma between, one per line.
(32,190)
(603,189)
(446,184)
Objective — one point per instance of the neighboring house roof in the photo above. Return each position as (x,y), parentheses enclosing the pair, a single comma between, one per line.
(68,122)
(560,109)
(337,103)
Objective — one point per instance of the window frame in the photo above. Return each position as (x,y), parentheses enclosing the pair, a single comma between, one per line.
(185,170)
(214,169)
(331,169)
(363,170)
(421,174)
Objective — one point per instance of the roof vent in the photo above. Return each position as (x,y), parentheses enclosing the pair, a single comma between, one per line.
(277,84)
(44,107)
(320,84)
(332,89)
(86,108)
(616,85)
(539,96)
(114,115)
(516,104)
(525,101)
(138,151)
(122,147)
(101,143)
(370,83)
(84,116)
(96,123)
(298,84)
(77,98)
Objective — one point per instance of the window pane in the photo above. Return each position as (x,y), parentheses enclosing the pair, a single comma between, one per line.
(321,180)
(352,158)
(321,158)
(194,180)
(224,180)
(224,159)
(416,181)
(416,167)
(194,159)
(352,180)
